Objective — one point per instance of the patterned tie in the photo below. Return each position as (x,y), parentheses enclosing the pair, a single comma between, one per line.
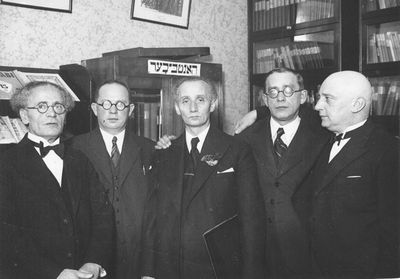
(279,146)
(115,152)
(194,152)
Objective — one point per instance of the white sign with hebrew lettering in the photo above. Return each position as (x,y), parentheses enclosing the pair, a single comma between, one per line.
(170,68)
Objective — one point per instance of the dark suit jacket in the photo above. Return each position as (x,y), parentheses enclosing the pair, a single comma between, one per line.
(38,236)
(215,197)
(287,241)
(128,194)
(355,202)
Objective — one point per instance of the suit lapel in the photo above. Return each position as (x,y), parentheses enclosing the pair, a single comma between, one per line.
(263,140)
(173,169)
(129,155)
(354,148)
(213,144)
(296,149)
(99,154)
(75,186)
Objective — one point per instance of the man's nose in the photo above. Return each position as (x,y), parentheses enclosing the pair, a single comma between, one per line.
(193,106)
(113,108)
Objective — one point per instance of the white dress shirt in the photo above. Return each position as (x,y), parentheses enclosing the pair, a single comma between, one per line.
(53,162)
(335,147)
(290,130)
(107,137)
(201,136)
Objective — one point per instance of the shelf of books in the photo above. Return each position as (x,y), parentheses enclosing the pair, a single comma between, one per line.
(146,118)
(270,14)
(374,5)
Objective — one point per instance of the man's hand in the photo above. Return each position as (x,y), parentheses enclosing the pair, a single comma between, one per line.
(74,274)
(246,121)
(92,268)
(165,142)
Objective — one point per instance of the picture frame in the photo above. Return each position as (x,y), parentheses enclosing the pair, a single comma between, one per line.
(167,12)
(51,5)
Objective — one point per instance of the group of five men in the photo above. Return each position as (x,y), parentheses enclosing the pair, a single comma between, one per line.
(314,197)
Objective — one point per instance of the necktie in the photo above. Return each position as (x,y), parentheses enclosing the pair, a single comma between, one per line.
(194,152)
(115,152)
(340,137)
(58,149)
(279,146)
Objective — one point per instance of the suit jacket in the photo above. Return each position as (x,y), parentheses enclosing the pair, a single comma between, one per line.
(215,196)
(354,218)
(127,191)
(39,236)
(287,240)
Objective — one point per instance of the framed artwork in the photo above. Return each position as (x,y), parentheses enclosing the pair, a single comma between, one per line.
(168,12)
(52,5)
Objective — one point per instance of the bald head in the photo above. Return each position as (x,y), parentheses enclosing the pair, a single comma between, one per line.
(345,100)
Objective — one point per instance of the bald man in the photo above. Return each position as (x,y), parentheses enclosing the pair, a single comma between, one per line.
(354,206)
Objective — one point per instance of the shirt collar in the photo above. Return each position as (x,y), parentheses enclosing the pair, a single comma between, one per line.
(201,136)
(107,137)
(290,128)
(353,127)
(39,139)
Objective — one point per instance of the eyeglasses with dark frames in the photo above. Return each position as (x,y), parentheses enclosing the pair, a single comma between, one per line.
(287,91)
(118,105)
(44,107)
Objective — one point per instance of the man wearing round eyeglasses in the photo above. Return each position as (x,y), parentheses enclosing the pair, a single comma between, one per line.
(121,159)
(55,220)
(285,144)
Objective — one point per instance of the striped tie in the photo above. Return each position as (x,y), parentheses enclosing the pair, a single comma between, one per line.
(115,152)
(279,146)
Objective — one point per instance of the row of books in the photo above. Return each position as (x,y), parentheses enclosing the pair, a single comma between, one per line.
(386,98)
(373,5)
(12,81)
(268,14)
(12,130)
(298,56)
(384,47)
(147,120)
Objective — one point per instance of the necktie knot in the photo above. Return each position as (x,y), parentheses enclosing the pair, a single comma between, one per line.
(114,140)
(279,132)
(338,138)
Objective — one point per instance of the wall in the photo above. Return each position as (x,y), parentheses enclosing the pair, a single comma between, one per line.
(38,38)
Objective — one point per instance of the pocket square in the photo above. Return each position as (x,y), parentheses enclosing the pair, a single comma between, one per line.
(226,171)
(353,176)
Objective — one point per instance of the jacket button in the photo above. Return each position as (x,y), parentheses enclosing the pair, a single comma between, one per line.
(69,255)
(65,221)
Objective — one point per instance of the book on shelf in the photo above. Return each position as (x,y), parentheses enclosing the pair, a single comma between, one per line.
(386,96)
(12,130)
(12,81)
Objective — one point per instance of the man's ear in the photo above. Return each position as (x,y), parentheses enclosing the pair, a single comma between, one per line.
(131,108)
(178,111)
(264,98)
(358,104)
(94,106)
(303,96)
(214,105)
(23,114)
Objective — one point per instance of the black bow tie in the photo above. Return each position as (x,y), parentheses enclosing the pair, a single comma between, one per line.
(340,137)
(58,149)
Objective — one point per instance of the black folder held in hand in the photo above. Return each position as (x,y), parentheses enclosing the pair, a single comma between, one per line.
(223,246)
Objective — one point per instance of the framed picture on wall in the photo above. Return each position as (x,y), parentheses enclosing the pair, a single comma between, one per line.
(168,12)
(52,5)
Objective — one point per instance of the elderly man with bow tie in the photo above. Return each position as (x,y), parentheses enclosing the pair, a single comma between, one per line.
(55,218)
